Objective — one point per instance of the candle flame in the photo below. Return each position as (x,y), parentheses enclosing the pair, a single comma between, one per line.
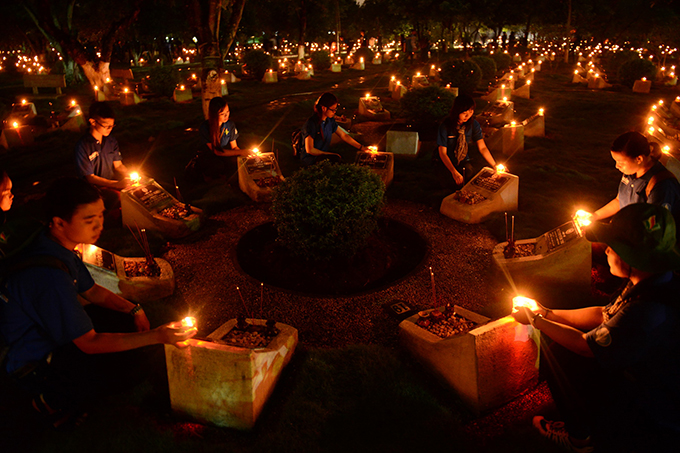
(222,81)
(23,102)
(125,89)
(15,125)
(505,99)
(135,177)
(189,322)
(541,111)
(73,102)
(666,149)
(651,130)
(500,168)
(582,219)
(256,151)
(181,87)
(521,301)
(96,88)
(373,149)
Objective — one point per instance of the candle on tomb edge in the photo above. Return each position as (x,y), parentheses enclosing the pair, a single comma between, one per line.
(434,294)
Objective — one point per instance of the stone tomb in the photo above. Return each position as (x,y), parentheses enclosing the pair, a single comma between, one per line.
(75,123)
(524,91)
(554,268)
(109,270)
(21,112)
(675,107)
(258,175)
(597,83)
(534,126)
(371,107)
(182,95)
(270,77)
(508,139)
(671,163)
(402,142)
(419,81)
(399,91)
(148,205)
(498,93)
(497,114)
(380,163)
(336,67)
(487,366)
(13,137)
(215,382)
(486,193)
(642,86)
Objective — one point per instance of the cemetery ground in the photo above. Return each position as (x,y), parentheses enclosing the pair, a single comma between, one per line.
(349,386)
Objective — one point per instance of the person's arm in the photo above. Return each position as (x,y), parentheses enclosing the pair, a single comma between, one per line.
(99,343)
(484,151)
(567,336)
(98,295)
(349,140)
(103,182)
(120,167)
(309,147)
(583,319)
(449,165)
(607,210)
(233,151)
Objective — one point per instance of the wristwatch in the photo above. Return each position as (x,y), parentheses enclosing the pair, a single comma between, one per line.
(137,308)
(532,320)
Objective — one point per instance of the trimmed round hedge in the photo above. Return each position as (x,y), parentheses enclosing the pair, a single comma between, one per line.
(427,104)
(257,62)
(464,74)
(636,69)
(327,211)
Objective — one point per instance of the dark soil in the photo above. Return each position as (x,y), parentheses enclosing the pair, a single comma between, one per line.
(391,254)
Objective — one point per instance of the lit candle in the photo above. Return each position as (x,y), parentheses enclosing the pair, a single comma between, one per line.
(125,90)
(541,111)
(15,125)
(500,168)
(582,218)
(189,322)
(135,177)
(23,102)
(521,301)
(650,120)
(256,151)
(373,149)
(181,87)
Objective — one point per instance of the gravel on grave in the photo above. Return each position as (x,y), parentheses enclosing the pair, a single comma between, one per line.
(207,274)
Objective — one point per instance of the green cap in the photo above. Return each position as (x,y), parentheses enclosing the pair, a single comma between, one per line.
(643,235)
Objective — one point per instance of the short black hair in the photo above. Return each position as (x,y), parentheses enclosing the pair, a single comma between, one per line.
(101,110)
(66,194)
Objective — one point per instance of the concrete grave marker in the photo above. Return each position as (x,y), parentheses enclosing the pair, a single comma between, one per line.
(258,175)
(402,142)
(380,163)
(642,86)
(488,192)
(215,382)
(508,139)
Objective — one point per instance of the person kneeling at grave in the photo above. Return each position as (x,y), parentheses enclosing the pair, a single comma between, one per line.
(98,158)
(65,354)
(460,143)
(219,156)
(613,371)
(318,132)
(644,180)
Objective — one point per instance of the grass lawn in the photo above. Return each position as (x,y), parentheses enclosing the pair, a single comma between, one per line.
(359,398)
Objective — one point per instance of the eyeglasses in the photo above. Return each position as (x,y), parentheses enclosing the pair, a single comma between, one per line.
(333,110)
(108,128)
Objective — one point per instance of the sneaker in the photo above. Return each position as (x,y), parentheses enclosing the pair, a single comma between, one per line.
(556,432)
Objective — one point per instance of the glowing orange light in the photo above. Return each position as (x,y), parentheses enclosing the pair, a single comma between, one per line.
(500,168)
(125,90)
(15,125)
(521,301)
(189,322)
(373,149)
(23,102)
(541,111)
(666,149)
(73,102)
(135,177)
(650,120)
(181,87)
(582,219)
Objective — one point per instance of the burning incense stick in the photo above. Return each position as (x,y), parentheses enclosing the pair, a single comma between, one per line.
(512,234)
(261,297)
(507,238)
(243,301)
(434,294)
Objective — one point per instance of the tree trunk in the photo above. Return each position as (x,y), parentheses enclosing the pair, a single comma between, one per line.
(97,73)
(302,14)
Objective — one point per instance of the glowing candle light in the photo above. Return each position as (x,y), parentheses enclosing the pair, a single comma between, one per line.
(373,149)
(500,168)
(660,101)
(96,88)
(73,102)
(666,149)
(125,90)
(23,102)
(135,177)
(108,79)
(644,79)
(15,125)
(651,130)
(181,87)
(368,95)
(222,81)
(521,301)
(393,78)
(541,111)
(256,151)
(505,99)
(513,123)
(189,322)
(582,218)
(417,74)
(502,86)
(528,82)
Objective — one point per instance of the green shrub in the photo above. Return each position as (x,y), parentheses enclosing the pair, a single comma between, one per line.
(427,104)
(617,59)
(328,211)
(257,63)
(487,65)
(636,69)
(364,52)
(163,80)
(503,60)
(464,74)
(321,60)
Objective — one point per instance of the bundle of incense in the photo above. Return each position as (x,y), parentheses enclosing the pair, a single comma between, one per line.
(143,242)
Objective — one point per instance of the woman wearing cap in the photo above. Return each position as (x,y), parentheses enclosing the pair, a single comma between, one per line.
(458,134)
(614,371)
(644,180)
(318,132)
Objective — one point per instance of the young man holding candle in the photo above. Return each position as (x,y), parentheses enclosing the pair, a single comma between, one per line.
(55,350)
(98,158)
(613,371)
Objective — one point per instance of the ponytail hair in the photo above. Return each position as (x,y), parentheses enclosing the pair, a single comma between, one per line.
(325,100)
(216,105)
(633,144)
